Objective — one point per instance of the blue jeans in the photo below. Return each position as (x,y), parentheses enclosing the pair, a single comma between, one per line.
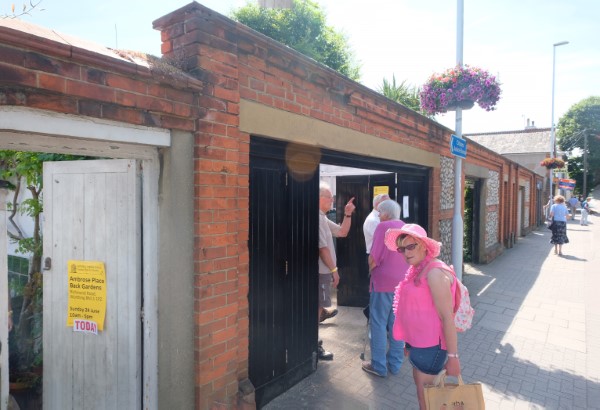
(381,322)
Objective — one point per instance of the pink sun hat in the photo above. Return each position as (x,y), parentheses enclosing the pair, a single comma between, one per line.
(417,232)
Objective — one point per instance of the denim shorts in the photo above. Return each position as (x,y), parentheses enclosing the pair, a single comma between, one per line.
(428,360)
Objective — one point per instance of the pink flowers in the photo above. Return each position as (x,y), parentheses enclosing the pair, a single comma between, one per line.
(447,90)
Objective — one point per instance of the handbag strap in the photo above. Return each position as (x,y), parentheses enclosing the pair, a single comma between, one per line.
(440,379)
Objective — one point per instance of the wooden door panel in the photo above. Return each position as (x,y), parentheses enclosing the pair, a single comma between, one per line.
(283,246)
(351,251)
(92,213)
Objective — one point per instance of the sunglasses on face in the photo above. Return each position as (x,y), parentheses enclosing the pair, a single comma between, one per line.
(410,247)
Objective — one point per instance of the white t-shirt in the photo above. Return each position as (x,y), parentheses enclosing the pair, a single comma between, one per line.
(369,227)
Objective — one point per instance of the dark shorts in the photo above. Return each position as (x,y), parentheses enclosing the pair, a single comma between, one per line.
(428,360)
(325,280)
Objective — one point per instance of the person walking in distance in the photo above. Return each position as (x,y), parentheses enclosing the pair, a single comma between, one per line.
(328,270)
(558,215)
(585,211)
(387,269)
(574,203)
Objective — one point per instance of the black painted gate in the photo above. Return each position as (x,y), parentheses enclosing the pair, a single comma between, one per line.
(283,240)
(353,289)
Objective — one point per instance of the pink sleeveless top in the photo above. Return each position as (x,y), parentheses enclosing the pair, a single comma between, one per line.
(417,320)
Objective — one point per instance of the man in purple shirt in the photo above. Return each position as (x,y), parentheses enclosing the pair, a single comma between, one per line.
(388,268)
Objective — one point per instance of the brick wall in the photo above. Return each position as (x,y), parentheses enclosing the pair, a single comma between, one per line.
(75,81)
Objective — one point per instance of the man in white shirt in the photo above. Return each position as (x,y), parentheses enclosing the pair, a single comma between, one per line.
(372,221)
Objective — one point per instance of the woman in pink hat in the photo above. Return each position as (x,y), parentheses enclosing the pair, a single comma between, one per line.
(424,307)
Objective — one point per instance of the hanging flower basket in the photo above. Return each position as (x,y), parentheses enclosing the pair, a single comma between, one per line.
(552,163)
(460,87)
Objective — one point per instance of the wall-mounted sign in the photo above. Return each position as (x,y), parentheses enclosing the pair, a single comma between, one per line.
(384,190)
(87,296)
(458,146)
(568,184)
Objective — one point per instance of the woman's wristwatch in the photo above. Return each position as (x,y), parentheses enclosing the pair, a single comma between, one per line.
(453,355)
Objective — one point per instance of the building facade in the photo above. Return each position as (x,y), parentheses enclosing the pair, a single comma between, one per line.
(227,132)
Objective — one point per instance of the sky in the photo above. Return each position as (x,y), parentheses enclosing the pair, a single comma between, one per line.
(408,39)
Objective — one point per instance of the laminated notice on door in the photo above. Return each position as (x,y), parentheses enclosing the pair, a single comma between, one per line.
(382,189)
(85,326)
(87,296)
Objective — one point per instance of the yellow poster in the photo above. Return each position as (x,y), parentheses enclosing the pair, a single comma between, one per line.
(381,190)
(87,296)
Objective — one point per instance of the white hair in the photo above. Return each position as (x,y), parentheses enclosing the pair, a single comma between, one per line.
(379,198)
(324,187)
(389,209)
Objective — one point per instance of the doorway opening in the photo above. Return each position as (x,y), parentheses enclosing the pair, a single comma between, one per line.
(472,218)
(40,131)
(283,246)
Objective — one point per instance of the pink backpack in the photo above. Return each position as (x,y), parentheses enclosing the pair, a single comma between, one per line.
(463,311)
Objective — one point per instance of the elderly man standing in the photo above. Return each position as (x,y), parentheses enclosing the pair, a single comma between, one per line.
(388,268)
(372,220)
(328,271)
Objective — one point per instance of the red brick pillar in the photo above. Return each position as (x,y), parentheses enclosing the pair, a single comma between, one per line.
(204,44)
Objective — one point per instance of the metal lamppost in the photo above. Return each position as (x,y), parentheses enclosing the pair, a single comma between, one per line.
(552,136)
(457,220)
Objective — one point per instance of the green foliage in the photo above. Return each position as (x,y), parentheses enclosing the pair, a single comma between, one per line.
(582,118)
(575,169)
(18,168)
(28,165)
(28,246)
(468,224)
(303,28)
(407,95)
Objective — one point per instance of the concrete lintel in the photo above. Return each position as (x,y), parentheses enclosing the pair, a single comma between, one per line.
(259,119)
(29,120)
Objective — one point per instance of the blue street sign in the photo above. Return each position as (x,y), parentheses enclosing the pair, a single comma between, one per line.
(458,146)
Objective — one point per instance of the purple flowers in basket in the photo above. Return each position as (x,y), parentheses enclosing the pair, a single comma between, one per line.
(460,87)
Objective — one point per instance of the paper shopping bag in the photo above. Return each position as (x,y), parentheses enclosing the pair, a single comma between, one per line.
(451,396)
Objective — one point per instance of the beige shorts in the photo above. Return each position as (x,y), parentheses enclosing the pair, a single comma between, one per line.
(325,280)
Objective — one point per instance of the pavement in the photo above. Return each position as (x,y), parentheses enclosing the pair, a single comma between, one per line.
(534,344)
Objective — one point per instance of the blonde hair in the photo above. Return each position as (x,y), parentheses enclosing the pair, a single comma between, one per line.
(559,198)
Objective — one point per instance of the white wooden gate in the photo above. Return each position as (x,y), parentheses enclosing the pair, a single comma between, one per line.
(92,212)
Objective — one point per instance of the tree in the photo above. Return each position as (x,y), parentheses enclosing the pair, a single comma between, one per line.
(581,121)
(23,170)
(407,95)
(303,28)
(25,9)
(575,170)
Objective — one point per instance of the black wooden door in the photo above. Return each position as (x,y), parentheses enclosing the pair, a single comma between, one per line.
(413,197)
(353,289)
(283,243)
